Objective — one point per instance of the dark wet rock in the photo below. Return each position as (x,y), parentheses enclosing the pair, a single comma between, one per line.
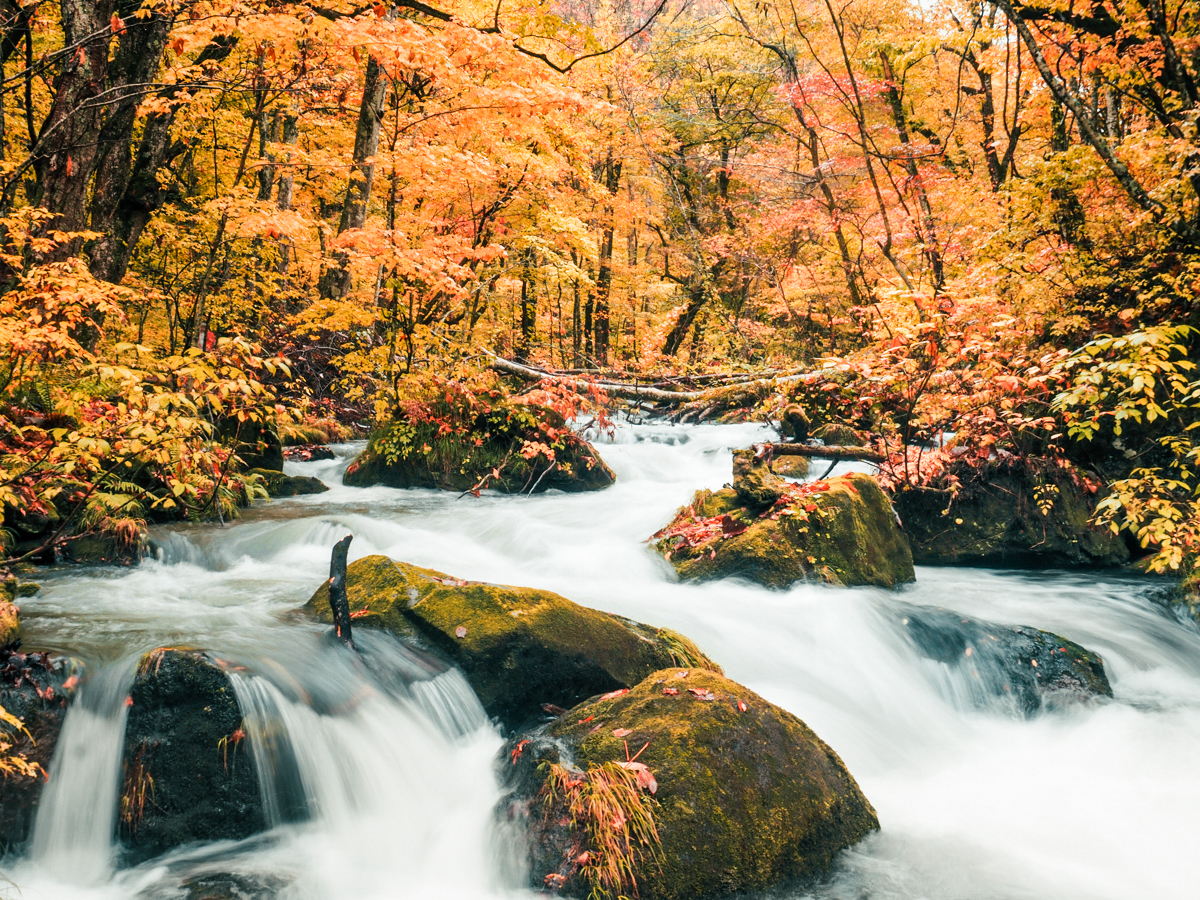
(229,886)
(280,485)
(995,520)
(776,533)
(188,771)
(34,687)
(1013,663)
(407,454)
(748,799)
(257,444)
(307,453)
(520,648)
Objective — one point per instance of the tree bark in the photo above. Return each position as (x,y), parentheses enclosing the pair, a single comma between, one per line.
(335,283)
(612,179)
(64,156)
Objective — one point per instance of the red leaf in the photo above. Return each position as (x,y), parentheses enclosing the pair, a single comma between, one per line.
(621,732)
(731,526)
(644,777)
(460,632)
(611,694)
(741,706)
(670,692)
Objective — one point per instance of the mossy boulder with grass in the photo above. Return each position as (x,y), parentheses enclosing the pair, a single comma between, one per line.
(36,689)
(520,648)
(468,445)
(1013,665)
(777,533)
(280,485)
(687,787)
(1005,515)
(189,774)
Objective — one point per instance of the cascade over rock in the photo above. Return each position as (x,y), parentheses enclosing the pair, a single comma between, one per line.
(188,771)
(36,688)
(520,648)
(1014,663)
(772,531)
(746,797)
(406,454)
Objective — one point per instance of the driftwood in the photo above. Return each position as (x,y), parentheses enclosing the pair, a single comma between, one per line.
(623,389)
(338,601)
(818,451)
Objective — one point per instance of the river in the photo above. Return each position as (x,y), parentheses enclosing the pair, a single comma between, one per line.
(1091,800)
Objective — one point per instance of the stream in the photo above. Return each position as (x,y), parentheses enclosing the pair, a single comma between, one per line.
(392,794)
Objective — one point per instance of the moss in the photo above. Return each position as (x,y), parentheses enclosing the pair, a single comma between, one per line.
(846,534)
(10,623)
(995,520)
(748,797)
(484,451)
(519,647)
(186,753)
(28,589)
(839,435)
(790,466)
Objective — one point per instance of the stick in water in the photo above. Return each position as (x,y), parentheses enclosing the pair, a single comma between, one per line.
(337,591)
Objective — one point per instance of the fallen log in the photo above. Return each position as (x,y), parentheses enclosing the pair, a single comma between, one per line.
(837,452)
(624,390)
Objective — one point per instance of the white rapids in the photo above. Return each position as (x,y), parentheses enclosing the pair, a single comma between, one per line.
(392,795)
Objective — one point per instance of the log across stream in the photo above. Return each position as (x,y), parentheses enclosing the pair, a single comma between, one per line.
(394,765)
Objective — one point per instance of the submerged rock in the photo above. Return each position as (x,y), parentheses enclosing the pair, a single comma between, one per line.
(513,448)
(743,795)
(776,533)
(280,485)
(995,520)
(34,687)
(1013,663)
(188,771)
(520,648)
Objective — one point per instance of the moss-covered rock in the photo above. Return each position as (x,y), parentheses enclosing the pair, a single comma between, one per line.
(842,530)
(1012,663)
(514,448)
(790,466)
(188,771)
(280,485)
(520,648)
(995,520)
(257,444)
(34,687)
(747,799)
(10,623)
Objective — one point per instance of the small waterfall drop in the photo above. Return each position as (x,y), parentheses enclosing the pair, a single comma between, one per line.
(73,832)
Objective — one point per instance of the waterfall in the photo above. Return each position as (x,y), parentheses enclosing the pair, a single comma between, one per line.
(76,819)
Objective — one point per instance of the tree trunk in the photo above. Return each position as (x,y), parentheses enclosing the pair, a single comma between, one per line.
(68,142)
(335,283)
(612,179)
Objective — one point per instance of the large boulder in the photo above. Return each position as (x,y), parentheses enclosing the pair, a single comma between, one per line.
(1014,664)
(35,688)
(189,774)
(520,648)
(776,533)
(742,795)
(514,448)
(10,622)
(280,485)
(995,519)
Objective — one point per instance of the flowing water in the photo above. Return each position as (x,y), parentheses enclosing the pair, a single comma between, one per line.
(377,771)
